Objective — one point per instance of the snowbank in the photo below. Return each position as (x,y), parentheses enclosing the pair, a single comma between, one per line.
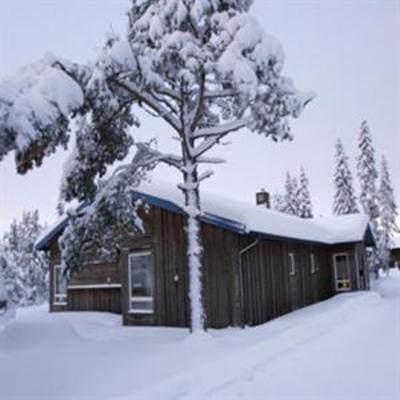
(344,348)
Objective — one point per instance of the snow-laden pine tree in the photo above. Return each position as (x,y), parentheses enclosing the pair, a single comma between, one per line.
(387,216)
(304,196)
(278,202)
(205,67)
(291,203)
(345,201)
(367,176)
(25,271)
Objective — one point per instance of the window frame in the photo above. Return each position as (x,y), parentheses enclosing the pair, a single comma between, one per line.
(59,299)
(337,281)
(144,299)
(313,264)
(292,264)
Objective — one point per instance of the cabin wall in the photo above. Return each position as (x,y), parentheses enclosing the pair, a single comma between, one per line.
(268,289)
(87,288)
(362,266)
(165,237)
(166,242)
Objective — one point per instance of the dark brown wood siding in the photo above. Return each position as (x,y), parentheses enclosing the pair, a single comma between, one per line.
(269,290)
(99,299)
(165,237)
(91,275)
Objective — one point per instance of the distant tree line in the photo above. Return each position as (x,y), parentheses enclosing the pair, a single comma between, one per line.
(23,270)
(376,199)
(296,199)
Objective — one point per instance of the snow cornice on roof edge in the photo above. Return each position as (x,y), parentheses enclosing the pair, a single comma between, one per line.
(243,218)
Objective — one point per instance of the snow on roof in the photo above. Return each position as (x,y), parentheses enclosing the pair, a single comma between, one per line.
(242,217)
(258,219)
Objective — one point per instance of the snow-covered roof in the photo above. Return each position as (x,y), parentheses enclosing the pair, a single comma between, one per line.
(242,217)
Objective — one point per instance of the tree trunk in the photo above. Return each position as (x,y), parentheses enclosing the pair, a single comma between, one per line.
(194,246)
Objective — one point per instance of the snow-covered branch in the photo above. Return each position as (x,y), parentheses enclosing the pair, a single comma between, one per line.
(213,136)
(151,102)
(223,129)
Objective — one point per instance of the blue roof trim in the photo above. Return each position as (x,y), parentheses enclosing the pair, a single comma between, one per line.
(225,223)
(42,244)
(209,218)
(212,219)
(157,202)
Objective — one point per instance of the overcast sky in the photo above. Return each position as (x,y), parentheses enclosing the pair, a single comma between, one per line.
(346,51)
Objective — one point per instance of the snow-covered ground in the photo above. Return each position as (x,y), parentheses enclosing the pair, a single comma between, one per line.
(345,348)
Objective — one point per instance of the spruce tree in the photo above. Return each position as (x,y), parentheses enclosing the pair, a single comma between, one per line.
(288,204)
(387,216)
(278,202)
(345,201)
(367,175)
(304,196)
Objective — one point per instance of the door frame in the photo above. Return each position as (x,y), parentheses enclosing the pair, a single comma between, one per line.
(342,289)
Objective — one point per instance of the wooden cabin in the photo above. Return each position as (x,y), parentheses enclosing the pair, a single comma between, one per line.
(258,264)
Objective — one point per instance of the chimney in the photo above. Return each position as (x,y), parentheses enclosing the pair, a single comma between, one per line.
(262,198)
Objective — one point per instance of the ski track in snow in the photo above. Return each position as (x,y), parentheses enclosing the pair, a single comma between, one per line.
(346,348)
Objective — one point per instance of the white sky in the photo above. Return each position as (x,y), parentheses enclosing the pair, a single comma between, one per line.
(347,51)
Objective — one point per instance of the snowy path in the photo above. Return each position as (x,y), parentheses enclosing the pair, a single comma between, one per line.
(345,348)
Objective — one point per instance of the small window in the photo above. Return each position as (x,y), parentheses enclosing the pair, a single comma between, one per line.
(140,269)
(292,265)
(60,286)
(313,264)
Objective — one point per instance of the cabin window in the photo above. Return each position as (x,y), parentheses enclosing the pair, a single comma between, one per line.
(141,282)
(313,264)
(60,286)
(342,271)
(292,265)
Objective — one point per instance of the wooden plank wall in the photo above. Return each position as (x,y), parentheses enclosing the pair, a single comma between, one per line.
(165,236)
(220,269)
(269,291)
(96,273)
(107,299)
